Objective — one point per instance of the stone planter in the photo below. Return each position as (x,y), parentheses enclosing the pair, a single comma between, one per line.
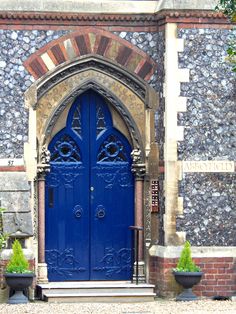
(18,282)
(187,280)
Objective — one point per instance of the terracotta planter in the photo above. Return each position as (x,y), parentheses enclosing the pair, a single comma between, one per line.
(187,280)
(19,282)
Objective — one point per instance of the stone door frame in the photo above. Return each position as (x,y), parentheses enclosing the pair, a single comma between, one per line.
(138,113)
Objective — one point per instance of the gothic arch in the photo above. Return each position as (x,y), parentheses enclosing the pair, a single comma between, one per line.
(97,63)
(137,141)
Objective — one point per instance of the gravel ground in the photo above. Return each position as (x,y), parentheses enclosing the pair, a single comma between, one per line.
(159,306)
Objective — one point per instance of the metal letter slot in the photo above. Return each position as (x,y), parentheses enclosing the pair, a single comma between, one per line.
(51,197)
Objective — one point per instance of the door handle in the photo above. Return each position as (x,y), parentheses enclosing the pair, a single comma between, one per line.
(100,212)
(78,211)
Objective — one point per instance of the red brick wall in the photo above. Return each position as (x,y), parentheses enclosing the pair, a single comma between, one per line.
(219,276)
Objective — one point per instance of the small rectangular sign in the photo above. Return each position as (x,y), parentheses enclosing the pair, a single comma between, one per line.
(208,166)
(11,162)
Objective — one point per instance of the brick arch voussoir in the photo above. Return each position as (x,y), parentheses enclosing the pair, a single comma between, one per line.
(86,41)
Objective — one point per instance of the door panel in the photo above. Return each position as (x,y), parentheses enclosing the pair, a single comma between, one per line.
(110,238)
(67,222)
(89,197)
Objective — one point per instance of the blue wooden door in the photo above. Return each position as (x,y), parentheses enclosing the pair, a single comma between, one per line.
(89,197)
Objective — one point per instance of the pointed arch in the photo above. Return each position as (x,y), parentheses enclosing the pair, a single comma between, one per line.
(108,95)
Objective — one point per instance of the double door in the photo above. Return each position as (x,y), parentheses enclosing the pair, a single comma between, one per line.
(89,197)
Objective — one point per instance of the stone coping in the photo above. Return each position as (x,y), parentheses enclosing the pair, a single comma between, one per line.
(106,6)
(197,251)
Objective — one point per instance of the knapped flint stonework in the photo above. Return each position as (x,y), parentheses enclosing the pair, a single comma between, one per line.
(209,209)
(154,45)
(210,118)
(15,48)
(209,134)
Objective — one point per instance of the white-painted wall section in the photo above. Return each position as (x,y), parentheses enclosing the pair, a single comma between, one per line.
(105,6)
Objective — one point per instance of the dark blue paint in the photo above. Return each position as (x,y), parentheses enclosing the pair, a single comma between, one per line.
(89,197)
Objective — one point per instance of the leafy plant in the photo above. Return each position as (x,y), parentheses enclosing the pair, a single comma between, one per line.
(228,8)
(232,55)
(186,263)
(18,263)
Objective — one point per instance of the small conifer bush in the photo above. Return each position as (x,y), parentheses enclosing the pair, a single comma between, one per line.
(18,263)
(186,263)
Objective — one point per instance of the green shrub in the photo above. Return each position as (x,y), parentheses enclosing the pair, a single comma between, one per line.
(18,263)
(186,264)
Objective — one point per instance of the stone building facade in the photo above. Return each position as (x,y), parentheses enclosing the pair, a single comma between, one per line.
(160,65)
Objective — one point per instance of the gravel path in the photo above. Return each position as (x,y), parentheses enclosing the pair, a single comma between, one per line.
(159,306)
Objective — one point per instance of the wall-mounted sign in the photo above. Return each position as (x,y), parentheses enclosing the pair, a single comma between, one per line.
(11,162)
(208,166)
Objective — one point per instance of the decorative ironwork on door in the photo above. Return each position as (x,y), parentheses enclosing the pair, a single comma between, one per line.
(89,197)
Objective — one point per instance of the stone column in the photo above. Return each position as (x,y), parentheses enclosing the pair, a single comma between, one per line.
(139,170)
(42,170)
(139,214)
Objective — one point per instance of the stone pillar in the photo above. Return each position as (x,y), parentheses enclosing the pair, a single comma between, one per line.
(139,214)
(139,170)
(42,170)
(41,218)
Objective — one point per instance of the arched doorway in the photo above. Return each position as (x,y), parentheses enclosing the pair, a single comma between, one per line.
(89,196)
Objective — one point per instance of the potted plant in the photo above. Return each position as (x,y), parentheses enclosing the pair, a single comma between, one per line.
(18,275)
(187,274)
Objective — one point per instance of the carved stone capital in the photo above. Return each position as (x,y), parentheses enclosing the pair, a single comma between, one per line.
(42,170)
(138,168)
(139,171)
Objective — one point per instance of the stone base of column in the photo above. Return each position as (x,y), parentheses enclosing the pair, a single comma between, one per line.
(42,273)
(141,272)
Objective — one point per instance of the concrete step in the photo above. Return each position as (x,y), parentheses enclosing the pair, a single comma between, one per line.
(107,291)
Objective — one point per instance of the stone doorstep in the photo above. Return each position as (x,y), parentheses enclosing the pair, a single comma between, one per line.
(93,284)
(91,291)
(96,291)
